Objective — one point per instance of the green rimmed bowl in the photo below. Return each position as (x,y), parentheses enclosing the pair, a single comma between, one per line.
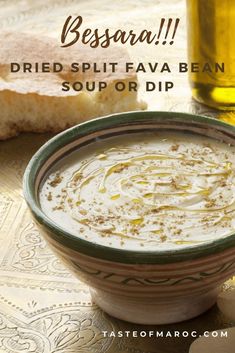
(148,287)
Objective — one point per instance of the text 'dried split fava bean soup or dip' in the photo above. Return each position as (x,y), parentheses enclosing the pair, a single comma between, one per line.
(144,191)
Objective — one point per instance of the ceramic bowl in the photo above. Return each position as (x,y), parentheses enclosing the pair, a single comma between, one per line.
(148,287)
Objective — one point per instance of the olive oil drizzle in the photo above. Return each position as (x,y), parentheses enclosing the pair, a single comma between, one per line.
(152,187)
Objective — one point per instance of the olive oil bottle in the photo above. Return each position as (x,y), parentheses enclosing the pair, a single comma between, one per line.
(211,42)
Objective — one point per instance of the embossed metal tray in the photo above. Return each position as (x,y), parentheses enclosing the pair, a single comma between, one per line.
(43,308)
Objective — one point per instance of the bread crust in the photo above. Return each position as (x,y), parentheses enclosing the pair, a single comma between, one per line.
(35,101)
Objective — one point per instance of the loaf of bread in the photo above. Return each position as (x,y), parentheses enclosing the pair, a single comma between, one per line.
(35,101)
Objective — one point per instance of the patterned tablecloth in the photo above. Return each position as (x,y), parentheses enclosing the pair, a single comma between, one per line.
(43,308)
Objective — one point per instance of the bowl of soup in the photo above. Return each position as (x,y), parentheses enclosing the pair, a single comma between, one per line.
(141,207)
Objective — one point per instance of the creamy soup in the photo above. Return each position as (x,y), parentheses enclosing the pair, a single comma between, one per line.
(150,191)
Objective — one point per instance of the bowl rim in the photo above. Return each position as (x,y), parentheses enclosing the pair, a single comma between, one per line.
(86,247)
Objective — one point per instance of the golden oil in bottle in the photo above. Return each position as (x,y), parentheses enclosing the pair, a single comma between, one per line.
(211,44)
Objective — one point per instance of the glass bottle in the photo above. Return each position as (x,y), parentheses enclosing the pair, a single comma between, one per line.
(211,40)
